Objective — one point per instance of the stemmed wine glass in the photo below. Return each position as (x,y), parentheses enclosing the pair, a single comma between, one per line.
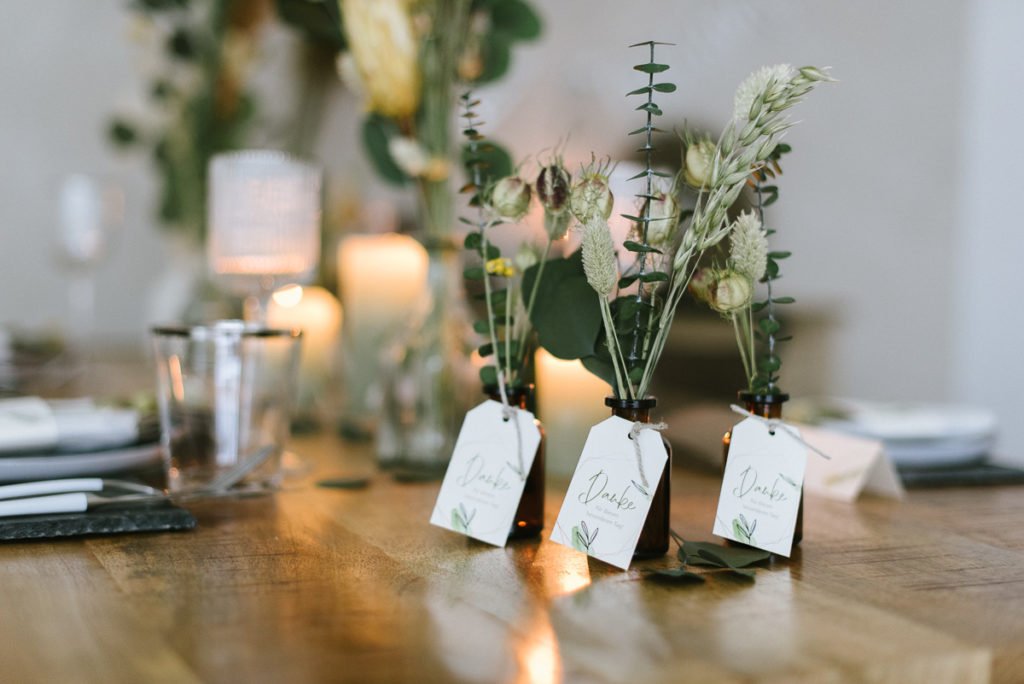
(264,224)
(89,211)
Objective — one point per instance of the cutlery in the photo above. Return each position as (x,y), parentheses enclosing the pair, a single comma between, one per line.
(63,496)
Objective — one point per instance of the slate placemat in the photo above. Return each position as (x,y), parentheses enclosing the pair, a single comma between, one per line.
(107,520)
(968,475)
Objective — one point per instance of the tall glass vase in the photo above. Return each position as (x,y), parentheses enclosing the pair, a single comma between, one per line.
(430,381)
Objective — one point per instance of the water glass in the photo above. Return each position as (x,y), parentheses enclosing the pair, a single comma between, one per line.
(225,393)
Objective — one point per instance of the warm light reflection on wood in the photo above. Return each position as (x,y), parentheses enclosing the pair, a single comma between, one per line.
(572,574)
(537,654)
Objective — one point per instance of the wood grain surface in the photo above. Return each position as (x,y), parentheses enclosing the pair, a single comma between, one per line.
(333,585)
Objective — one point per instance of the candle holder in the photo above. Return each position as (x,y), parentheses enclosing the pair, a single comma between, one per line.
(264,224)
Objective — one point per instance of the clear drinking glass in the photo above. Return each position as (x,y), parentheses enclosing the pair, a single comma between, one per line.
(225,393)
(264,224)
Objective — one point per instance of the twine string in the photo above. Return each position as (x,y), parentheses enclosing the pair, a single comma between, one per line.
(777,424)
(509,412)
(634,434)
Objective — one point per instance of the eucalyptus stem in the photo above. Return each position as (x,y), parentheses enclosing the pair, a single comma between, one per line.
(508,334)
(487,290)
(533,297)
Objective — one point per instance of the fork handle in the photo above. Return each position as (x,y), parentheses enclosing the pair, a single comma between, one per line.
(76,502)
(81,484)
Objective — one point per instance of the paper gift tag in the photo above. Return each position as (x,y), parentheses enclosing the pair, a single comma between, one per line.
(483,483)
(858,466)
(761,487)
(606,505)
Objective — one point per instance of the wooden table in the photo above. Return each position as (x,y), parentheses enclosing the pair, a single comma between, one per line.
(319,584)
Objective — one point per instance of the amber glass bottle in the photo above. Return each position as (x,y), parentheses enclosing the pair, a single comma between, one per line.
(654,535)
(529,520)
(766,406)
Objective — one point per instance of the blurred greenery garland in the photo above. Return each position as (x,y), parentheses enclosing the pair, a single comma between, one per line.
(199,103)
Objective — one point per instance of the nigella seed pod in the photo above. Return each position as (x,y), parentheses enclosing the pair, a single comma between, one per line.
(553,187)
(733,291)
(698,162)
(591,198)
(663,213)
(510,197)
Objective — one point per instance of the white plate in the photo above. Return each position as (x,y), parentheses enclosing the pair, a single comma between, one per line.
(919,434)
(915,421)
(45,467)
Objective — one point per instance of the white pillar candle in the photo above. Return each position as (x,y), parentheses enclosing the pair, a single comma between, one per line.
(317,313)
(570,400)
(381,278)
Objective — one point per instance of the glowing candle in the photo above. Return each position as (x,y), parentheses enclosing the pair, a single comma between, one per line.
(317,313)
(381,278)
(570,400)
(264,221)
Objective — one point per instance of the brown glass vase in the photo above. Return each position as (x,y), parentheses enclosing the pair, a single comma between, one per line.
(655,533)
(529,520)
(766,406)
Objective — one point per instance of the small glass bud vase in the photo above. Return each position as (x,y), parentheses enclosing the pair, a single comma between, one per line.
(766,406)
(529,520)
(655,533)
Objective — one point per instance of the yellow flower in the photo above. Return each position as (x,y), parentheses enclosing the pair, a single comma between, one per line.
(383,42)
(501,267)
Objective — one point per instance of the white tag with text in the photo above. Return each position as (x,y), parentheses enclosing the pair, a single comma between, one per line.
(483,484)
(761,487)
(607,503)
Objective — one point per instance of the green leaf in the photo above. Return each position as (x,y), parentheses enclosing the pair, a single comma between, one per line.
(496,53)
(493,251)
(768,326)
(515,18)
(772,271)
(495,162)
(675,576)
(566,314)
(183,45)
(780,255)
(654,277)
(639,247)
(473,273)
(783,300)
(320,20)
(472,241)
(122,133)
(770,364)
(651,68)
(376,131)
(723,556)
(601,366)
(640,91)
(650,107)
(665,87)
(758,306)
(488,375)
(626,281)
(345,483)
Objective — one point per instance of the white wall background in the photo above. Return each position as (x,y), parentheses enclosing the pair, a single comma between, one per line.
(898,201)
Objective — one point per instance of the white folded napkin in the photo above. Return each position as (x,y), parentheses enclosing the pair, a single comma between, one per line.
(34,424)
